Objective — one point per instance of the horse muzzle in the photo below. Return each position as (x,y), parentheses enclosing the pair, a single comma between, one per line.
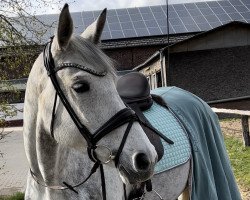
(139,170)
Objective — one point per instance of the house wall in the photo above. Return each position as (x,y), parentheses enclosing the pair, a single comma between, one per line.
(130,57)
(212,74)
(229,36)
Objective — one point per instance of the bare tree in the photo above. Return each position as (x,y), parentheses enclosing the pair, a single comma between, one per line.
(22,34)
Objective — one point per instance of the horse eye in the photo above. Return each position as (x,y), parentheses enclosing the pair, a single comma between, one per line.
(81,87)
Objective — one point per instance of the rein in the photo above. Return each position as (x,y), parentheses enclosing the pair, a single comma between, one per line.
(122,117)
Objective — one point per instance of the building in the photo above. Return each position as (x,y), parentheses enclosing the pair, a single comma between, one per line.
(215,65)
(132,35)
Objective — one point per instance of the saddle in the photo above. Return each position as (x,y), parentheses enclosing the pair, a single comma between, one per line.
(134,90)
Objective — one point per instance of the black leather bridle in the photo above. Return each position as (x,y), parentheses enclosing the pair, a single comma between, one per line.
(126,115)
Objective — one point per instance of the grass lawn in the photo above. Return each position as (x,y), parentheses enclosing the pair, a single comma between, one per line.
(240,160)
(17,196)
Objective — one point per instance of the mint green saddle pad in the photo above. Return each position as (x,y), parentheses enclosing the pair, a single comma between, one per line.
(164,121)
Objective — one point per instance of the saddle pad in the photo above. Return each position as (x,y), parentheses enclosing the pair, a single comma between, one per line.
(165,122)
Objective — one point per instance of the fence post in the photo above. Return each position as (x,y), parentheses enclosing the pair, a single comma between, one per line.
(245,129)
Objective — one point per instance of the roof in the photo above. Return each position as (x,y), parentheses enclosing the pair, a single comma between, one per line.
(144,41)
(152,20)
(196,36)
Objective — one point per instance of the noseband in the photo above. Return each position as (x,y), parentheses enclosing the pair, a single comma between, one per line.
(122,117)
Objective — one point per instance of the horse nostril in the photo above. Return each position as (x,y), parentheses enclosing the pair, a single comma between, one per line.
(142,162)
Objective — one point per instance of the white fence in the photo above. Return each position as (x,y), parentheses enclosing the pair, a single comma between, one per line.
(244,121)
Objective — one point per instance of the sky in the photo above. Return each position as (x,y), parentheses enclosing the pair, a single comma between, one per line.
(84,5)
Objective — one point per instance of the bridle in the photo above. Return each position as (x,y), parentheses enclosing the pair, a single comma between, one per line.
(126,115)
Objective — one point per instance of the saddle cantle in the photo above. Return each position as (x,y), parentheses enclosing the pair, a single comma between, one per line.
(134,90)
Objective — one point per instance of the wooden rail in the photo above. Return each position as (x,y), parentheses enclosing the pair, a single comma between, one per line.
(244,121)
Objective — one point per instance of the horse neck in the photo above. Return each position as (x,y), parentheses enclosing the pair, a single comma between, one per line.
(62,164)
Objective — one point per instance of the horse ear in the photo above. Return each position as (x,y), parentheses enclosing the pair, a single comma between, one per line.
(94,31)
(65,28)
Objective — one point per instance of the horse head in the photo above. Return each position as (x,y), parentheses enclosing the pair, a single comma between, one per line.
(87,80)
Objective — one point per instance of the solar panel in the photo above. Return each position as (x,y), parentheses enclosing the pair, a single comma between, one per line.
(224,18)
(235,2)
(180,29)
(215,24)
(206,11)
(77,18)
(112,19)
(248,6)
(211,18)
(202,5)
(195,13)
(172,15)
(188,20)
(142,32)
(152,20)
(124,18)
(204,26)
(122,12)
(192,28)
(213,4)
(139,24)
(129,33)
(218,10)
(229,9)
(144,10)
(190,6)
(183,13)
(151,23)
(200,20)
(127,25)
(117,34)
(241,8)
(236,16)
(154,31)
(246,15)
(133,11)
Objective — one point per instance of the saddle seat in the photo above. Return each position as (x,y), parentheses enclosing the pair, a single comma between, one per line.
(134,90)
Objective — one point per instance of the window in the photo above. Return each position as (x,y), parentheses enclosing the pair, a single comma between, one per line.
(158,79)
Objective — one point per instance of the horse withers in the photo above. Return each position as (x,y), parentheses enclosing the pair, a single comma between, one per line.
(80,138)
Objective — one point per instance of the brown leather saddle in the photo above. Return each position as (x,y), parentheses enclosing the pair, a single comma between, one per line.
(134,90)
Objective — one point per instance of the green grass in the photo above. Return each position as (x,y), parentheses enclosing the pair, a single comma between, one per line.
(240,160)
(17,196)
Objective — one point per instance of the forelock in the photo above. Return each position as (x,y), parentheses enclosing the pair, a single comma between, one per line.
(90,54)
